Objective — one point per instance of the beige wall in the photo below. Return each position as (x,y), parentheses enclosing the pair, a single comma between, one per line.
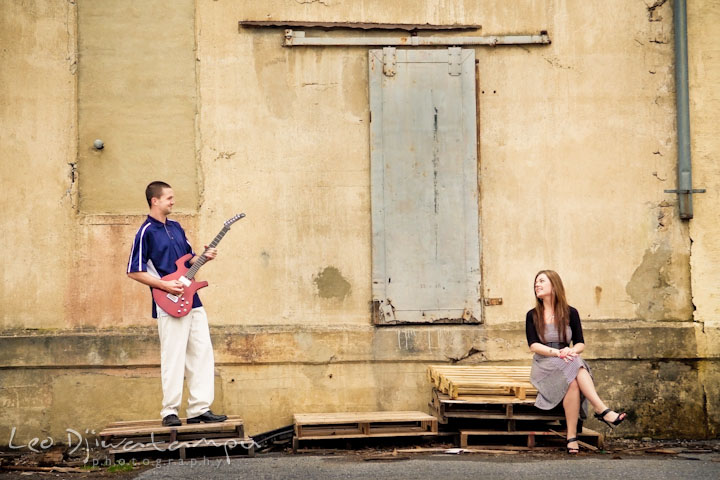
(38,128)
(704,65)
(576,145)
(137,93)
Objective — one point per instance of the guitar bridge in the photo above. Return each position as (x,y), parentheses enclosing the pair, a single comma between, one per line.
(172,297)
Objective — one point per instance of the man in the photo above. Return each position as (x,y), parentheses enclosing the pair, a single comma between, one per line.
(185,347)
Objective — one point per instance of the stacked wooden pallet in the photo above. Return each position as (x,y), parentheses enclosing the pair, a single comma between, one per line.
(459,381)
(496,405)
(142,437)
(324,426)
(507,408)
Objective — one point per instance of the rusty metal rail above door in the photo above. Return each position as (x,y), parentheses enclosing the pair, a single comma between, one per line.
(294,38)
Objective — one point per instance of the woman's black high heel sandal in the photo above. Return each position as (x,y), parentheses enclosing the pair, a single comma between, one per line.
(616,422)
(572,450)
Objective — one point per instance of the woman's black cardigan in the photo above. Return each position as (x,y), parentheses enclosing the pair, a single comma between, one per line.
(575,326)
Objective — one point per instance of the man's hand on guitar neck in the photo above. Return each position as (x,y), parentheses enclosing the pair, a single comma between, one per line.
(210,253)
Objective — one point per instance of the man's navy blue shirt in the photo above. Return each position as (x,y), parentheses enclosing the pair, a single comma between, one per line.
(156,248)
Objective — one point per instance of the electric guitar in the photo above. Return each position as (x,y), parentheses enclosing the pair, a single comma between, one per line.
(180,305)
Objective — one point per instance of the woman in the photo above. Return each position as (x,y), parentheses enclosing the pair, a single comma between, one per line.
(558,371)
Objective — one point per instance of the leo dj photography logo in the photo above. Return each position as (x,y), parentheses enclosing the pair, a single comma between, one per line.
(91,443)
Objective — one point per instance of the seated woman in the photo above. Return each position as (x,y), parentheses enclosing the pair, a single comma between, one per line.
(558,371)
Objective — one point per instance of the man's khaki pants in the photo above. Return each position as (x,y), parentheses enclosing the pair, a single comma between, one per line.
(186,351)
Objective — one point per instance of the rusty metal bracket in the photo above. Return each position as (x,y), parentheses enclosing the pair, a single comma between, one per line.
(454,61)
(490,302)
(686,192)
(389,61)
(387,310)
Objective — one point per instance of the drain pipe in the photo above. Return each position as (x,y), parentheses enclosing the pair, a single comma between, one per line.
(684,189)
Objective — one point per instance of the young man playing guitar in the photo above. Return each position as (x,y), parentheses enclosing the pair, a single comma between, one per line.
(185,347)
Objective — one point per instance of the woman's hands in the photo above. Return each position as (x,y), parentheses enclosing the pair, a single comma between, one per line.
(567,354)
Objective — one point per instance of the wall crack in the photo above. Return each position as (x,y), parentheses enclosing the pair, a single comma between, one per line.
(653,14)
(472,352)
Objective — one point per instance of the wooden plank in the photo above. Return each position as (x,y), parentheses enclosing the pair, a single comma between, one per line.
(371,435)
(132,423)
(502,368)
(581,443)
(476,372)
(487,374)
(436,373)
(109,441)
(497,416)
(332,433)
(495,407)
(438,413)
(309,426)
(167,430)
(366,429)
(355,417)
(160,430)
(491,383)
(531,436)
(483,399)
(518,391)
(173,446)
(586,432)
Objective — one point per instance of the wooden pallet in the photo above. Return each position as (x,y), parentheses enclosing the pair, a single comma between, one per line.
(324,426)
(480,380)
(498,408)
(592,438)
(435,372)
(145,436)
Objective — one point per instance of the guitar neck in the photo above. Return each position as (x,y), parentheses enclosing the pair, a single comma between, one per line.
(190,274)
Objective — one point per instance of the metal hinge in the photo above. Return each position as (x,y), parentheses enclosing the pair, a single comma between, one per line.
(389,61)
(386,310)
(454,61)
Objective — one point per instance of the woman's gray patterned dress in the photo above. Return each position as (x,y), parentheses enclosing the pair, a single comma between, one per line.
(552,375)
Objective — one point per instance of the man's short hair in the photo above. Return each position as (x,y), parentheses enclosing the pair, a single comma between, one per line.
(155,190)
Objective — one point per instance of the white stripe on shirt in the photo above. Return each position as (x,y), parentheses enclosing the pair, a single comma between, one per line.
(142,232)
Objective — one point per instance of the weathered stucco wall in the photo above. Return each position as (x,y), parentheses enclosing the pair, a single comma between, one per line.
(137,93)
(576,145)
(704,76)
(38,131)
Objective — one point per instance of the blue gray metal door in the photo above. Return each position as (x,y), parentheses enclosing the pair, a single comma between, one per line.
(426,249)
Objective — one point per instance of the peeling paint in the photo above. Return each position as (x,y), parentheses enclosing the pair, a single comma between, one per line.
(650,285)
(224,155)
(653,11)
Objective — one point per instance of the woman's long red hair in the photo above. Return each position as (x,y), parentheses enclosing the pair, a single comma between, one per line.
(560,307)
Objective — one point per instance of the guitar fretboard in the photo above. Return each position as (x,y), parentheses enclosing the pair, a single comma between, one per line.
(190,274)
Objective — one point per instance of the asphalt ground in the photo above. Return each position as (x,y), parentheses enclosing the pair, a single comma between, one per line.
(623,459)
(445,467)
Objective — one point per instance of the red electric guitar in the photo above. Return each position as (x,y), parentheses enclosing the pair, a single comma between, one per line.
(180,305)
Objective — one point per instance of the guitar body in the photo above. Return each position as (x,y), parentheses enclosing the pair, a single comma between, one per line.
(178,306)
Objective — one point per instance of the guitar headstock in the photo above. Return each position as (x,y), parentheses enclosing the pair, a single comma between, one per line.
(234,219)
